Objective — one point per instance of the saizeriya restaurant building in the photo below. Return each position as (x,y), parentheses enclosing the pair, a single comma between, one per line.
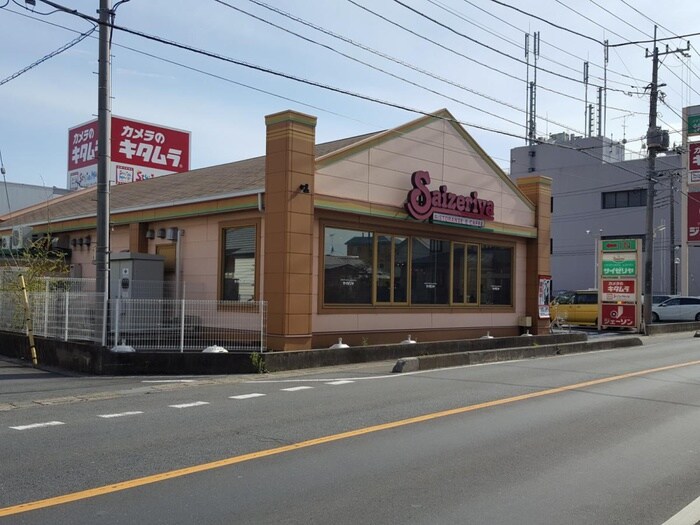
(414,230)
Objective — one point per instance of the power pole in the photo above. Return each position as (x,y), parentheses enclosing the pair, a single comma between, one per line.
(657,141)
(104,119)
(672,234)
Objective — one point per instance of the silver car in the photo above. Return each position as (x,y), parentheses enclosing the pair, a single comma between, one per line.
(680,308)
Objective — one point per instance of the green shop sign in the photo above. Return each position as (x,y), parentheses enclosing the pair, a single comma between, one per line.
(694,125)
(613,268)
(620,245)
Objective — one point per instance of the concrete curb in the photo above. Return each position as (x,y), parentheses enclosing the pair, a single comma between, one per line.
(428,362)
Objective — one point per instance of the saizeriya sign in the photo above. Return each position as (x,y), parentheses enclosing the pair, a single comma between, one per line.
(443,206)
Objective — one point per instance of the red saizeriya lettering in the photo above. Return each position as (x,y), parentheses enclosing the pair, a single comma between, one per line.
(421,203)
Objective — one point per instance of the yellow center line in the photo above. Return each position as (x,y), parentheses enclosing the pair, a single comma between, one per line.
(155,478)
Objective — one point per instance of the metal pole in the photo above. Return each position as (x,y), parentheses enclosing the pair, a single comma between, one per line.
(672,235)
(651,173)
(182,327)
(104,118)
(66,305)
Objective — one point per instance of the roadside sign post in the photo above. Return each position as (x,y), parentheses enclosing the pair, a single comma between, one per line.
(619,297)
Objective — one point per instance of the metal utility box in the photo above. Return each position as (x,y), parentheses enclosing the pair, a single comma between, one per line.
(143,268)
(136,288)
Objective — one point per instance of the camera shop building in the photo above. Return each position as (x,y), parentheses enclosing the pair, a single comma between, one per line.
(413,230)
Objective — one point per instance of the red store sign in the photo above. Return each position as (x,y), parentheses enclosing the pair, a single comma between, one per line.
(422,203)
(618,290)
(694,156)
(694,216)
(134,143)
(624,315)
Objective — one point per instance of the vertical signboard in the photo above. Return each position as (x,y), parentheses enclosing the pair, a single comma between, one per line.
(693,125)
(693,217)
(619,294)
(544,294)
(139,151)
(693,160)
(82,156)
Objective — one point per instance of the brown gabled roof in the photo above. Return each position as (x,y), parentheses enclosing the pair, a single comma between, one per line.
(202,184)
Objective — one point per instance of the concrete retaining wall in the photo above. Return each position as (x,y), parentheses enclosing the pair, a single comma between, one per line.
(412,364)
(279,361)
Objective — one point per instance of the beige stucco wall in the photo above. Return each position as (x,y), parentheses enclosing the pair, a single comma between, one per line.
(381,174)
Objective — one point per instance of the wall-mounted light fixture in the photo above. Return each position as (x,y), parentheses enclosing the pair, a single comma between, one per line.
(150,234)
(88,240)
(73,242)
(161,233)
(172,234)
(80,241)
(304,188)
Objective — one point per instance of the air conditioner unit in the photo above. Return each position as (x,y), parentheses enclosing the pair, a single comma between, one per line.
(21,237)
(5,242)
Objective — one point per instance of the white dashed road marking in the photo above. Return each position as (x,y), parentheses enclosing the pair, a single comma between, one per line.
(296,388)
(168,381)
(38,425)
(189,405)
(246,396)
(340,382)
(121,414)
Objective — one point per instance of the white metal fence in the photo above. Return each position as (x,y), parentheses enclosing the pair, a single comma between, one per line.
(62,312)
(152,324)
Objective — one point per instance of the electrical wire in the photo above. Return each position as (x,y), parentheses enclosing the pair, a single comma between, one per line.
(495,50)
(549,22)
(43,59)
(471,59)
(609,70)
(263,91)
(306,81)
(383,55)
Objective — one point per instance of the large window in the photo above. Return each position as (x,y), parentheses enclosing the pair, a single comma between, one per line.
(430,271)
(348,266)
(362,267)
(624,199)
(239,264)
(392,269)
(496,274)
(465,267)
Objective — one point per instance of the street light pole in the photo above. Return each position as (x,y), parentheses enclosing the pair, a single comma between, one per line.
(596,274)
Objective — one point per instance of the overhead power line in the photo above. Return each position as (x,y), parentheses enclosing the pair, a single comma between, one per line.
(43,59)
(549,22)
(495,50)
(475,61)
(308,82)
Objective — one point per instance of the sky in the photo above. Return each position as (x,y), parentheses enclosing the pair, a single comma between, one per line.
(359,66)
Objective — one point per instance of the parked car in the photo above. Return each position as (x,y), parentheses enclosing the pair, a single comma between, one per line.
(681,308)
(658,299)
(578,307)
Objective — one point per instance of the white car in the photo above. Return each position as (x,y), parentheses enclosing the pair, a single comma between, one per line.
(680,308)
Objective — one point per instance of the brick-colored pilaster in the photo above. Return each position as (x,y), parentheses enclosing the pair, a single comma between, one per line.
(137,237)
(539,190)
(289,219)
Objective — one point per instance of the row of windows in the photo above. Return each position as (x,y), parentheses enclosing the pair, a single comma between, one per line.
(618,199)
(365,268)
(368,268)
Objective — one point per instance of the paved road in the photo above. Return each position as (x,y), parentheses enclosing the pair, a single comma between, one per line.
(502,443)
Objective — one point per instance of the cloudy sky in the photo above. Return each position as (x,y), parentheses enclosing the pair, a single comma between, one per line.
(359,66)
